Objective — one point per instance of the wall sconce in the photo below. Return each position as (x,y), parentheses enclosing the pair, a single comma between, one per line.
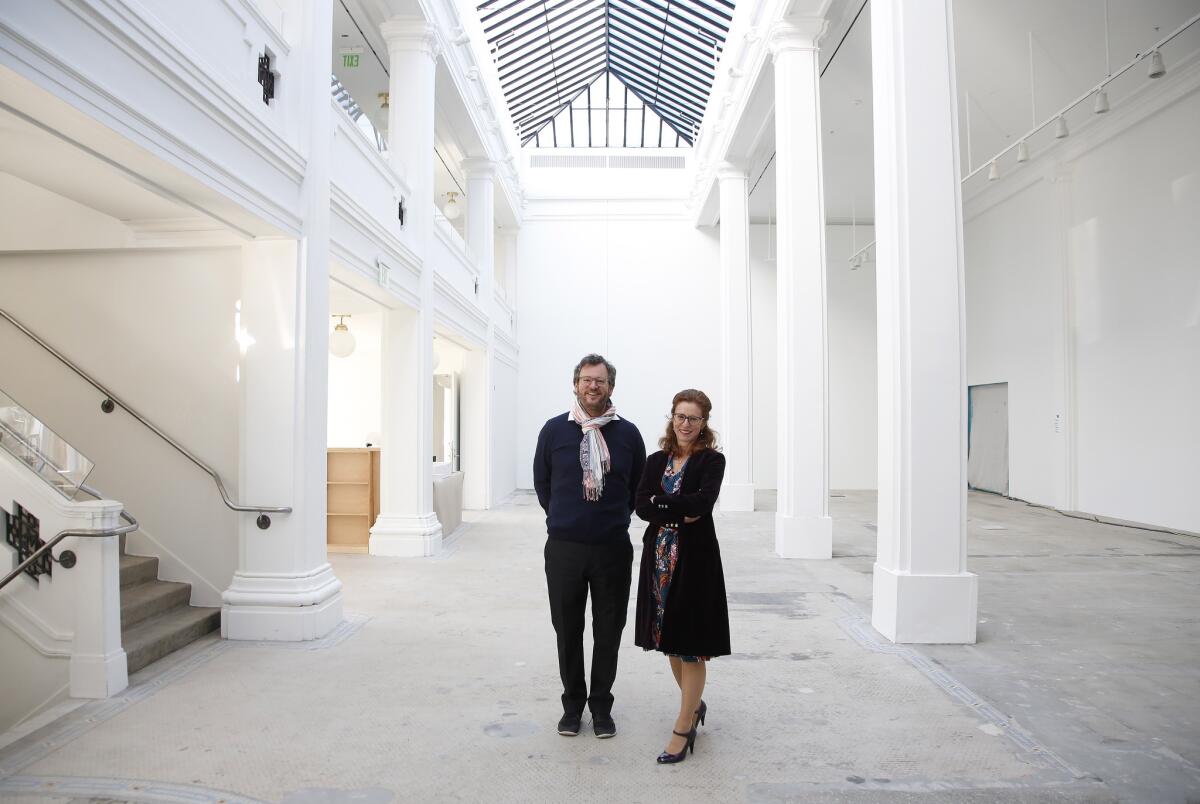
(451,208)
(341,340)
(385,100)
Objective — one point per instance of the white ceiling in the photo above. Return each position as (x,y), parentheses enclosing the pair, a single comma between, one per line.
(992,62)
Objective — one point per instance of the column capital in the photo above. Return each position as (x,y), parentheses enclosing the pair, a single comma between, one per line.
(409,34)
(479,167)
(796,34)
(728,171)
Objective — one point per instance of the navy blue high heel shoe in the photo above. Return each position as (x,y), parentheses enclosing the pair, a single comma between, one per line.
(667,758)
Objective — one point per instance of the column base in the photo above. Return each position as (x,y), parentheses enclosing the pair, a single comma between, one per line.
(737,497)
(406,536)
(282,608)
(803,536)
(928,609)
(97,676)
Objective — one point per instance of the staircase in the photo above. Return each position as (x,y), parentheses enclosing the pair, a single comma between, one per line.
(155,616)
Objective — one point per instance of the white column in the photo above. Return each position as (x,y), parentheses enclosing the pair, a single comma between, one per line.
(737,400)
(803,528)
(476,426)
(284,587)
(407,525)
(922,591)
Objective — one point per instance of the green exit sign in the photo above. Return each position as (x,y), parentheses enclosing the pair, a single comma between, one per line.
(349,59)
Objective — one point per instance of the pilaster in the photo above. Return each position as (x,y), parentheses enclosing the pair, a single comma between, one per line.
(477,422)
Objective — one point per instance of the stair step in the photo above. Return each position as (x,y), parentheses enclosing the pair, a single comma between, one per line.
(154,638)
(138,569)
(144,600)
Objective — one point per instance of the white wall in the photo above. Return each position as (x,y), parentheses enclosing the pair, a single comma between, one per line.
(355,391)
(852,349)
(32,218)
(642,292)
(505,455)
(157,327)
(1118,232)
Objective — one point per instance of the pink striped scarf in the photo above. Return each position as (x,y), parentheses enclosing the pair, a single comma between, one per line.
(593,450)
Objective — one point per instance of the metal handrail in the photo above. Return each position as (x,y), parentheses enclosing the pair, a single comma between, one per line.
(111,401)
(67,558)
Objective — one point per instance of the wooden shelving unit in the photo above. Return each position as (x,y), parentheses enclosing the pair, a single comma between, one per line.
(352,498)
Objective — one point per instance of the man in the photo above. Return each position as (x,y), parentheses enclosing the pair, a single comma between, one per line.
(586,471)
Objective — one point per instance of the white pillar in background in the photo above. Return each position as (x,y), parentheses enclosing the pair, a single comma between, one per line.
(803,528)
(284,588)
(477,381)
(407,525)
(737,396)
(922,591)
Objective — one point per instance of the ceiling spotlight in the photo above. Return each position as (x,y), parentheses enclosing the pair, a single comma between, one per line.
(1022,151)
(1101,105)
(1157,69)
(993,171)
(451,209)
(1060,129)
(341,340)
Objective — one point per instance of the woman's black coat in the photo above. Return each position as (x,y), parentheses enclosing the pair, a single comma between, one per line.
(696,616)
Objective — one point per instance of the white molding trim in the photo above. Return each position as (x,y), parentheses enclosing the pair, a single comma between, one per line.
(452,310)
(354,261)
(32,629)
(252,10)
(455,243)
(100,105)
(367,148)
(352,213)
(188,76)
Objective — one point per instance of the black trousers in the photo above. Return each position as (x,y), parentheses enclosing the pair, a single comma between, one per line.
(572,569)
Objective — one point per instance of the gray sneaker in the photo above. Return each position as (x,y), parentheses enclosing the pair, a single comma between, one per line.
(604,726)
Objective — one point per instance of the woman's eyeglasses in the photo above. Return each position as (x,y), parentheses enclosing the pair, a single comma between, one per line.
(681,419)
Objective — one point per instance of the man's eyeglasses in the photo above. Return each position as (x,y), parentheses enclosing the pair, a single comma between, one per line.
(681,419)
(594,382)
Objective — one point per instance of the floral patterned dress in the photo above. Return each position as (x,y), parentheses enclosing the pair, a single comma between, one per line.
(666,555)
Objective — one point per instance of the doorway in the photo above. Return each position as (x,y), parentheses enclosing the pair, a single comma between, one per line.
(987,437)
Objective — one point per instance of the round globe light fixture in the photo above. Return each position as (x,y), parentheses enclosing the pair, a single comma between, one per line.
(451,209)
(341,340)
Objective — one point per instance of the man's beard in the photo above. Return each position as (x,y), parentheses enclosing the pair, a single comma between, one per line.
(600,407)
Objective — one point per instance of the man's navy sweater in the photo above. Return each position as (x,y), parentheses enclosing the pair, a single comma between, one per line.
(558,480)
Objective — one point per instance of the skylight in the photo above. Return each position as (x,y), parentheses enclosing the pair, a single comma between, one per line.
(551,57)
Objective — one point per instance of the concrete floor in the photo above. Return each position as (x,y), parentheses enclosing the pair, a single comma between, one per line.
(442,685)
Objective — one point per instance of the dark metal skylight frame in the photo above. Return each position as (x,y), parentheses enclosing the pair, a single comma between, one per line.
(549,52)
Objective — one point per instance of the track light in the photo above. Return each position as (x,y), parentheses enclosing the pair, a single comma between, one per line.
(1157,69)
(1060,129)
(1101,105)
(1023,151)
(993,171)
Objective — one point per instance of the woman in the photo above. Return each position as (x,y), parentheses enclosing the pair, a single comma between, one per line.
(681,609)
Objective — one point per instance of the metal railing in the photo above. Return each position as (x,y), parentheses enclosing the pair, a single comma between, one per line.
(112,401)
(67,557)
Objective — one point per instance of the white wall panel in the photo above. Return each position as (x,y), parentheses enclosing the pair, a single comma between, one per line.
(157,327)
(1082,294)
(642,293)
